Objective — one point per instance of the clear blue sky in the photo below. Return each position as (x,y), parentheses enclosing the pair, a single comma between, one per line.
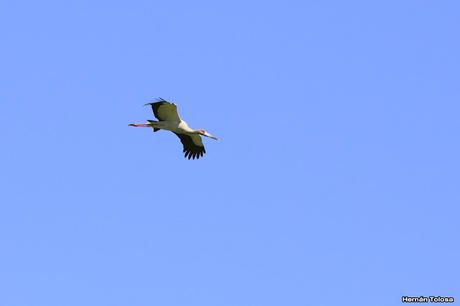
(335,180)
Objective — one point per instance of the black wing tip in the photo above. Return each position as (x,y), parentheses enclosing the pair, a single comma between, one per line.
(161,100)
(157,100)
(193,155)
(189,149)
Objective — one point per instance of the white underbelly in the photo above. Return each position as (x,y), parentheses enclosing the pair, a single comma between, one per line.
(178,127)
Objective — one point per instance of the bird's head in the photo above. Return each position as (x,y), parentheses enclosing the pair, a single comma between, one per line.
(204,133)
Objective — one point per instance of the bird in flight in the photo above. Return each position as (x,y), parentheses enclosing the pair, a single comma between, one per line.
(168,119)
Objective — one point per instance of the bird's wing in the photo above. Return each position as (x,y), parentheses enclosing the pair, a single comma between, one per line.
(193,146)
(165,111)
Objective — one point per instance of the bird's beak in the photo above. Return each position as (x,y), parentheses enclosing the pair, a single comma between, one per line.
(210,136)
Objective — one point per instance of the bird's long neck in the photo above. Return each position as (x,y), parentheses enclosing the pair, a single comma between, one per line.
(184,126)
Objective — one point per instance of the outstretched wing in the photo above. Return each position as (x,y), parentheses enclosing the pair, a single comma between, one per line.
(193,146)
(164,110)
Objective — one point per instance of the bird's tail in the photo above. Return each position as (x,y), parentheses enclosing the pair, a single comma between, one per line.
(152,123)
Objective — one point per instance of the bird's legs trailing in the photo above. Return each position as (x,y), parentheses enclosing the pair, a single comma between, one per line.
(140,125)
(150,124)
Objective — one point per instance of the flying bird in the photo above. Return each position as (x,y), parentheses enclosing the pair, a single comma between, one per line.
(166,113)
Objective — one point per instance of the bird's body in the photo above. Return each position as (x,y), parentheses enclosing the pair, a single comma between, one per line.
(177,127)
(169,120)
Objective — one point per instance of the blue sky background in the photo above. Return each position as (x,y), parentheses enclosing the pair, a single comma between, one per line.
(335,180)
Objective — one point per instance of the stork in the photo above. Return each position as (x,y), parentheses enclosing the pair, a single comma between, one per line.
(166,113)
